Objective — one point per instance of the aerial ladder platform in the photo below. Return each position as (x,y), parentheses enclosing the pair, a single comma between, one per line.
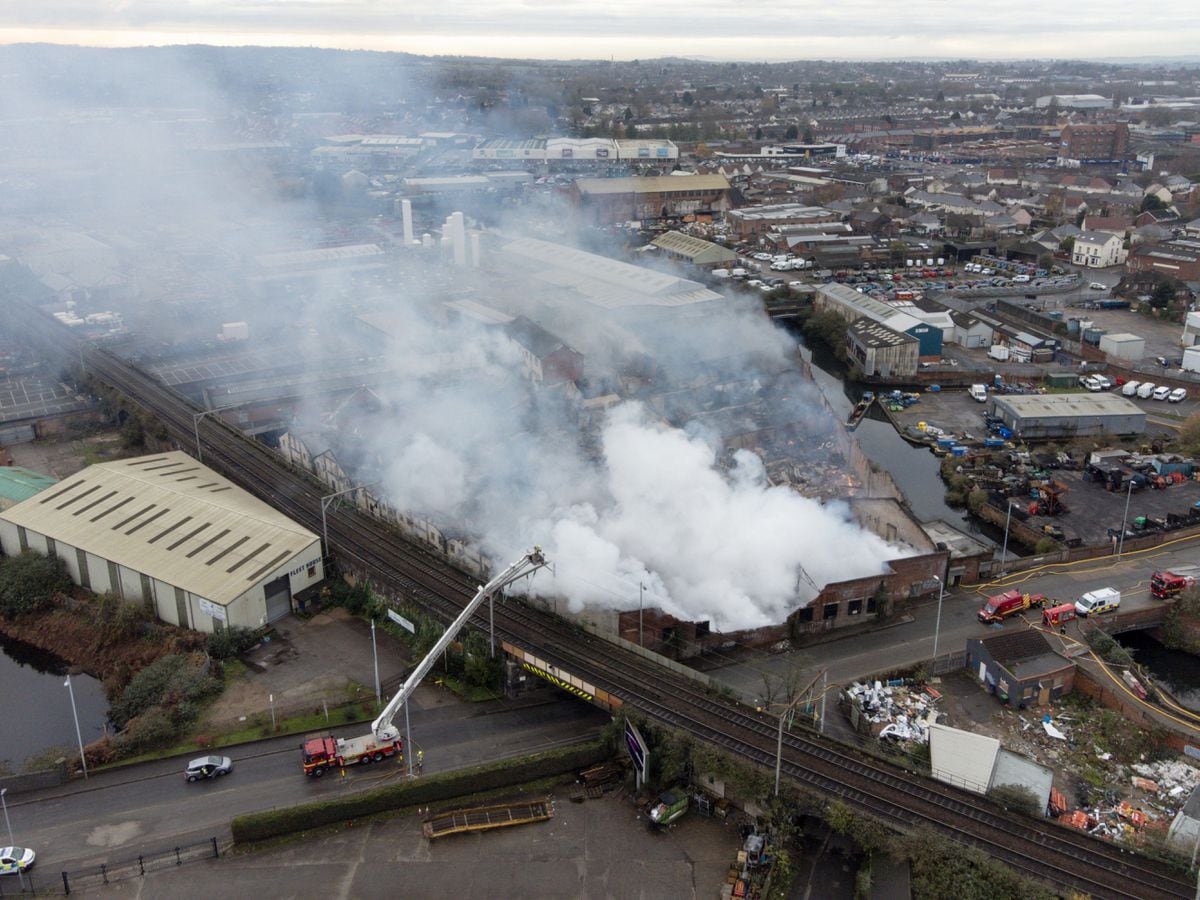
(485,818)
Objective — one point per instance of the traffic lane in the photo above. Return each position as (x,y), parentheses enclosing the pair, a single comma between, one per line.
(161,809)
(910,643)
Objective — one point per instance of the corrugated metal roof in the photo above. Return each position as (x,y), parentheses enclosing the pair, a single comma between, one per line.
(696,249)
(640,184)
(17,484)
(171,518)
(606,282)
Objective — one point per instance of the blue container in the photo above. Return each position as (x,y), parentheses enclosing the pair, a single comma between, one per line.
(993,443)
(945,443)
(935,388)
(958,451)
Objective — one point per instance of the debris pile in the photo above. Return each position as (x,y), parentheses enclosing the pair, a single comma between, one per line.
(895,710)
(1166,785)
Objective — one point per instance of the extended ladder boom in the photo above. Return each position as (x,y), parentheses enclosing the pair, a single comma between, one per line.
(527,564)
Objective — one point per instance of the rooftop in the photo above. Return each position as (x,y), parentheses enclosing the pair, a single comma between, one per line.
(1089,404)
(171,518)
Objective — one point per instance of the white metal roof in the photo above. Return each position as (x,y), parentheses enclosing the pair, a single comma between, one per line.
(606,282)
(962,758)
(171,518)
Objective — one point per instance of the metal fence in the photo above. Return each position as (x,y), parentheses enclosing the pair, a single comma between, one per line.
(43,881)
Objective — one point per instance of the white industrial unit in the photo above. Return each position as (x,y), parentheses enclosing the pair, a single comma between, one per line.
(1191,359)
(168,532)
(1128,347)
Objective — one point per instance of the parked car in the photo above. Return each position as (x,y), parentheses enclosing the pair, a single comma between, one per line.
(1161,393)
(1097,286)
(208,767)
(1131,388)
(1146,389)
(1100,601)
(1177,396)
(15,859)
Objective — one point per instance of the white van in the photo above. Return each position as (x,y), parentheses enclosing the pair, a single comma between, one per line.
(1130,388)
(1145,389)
(978,393)
(1099,601)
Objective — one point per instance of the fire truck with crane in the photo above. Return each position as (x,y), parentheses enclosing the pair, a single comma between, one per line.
(326,752)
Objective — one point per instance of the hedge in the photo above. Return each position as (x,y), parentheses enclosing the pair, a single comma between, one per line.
(427,789)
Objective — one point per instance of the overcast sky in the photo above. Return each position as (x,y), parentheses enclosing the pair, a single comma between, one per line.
(625,29)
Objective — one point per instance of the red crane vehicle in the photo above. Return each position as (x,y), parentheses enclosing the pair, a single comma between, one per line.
(1001,606)
(324,752)
(1165,585)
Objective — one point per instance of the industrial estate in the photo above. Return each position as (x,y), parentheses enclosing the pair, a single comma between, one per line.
(824,438)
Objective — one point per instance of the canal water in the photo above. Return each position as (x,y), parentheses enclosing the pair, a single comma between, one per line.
(916,471)
(36,713)
(1177,671)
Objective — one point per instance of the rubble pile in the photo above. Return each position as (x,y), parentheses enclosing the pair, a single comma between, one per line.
(1174,779)
(1166,786)
(894,710)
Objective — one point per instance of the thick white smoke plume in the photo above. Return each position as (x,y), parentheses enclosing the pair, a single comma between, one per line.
(705,545)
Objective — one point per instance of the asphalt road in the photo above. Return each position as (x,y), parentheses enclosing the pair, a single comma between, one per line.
(119,814)
(909,642)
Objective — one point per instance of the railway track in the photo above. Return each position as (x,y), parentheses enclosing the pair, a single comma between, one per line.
(1041,850)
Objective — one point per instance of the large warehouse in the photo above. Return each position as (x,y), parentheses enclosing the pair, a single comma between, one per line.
(169,532)
(1056,416)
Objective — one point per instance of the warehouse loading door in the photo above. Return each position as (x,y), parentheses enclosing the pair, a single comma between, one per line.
(279,598)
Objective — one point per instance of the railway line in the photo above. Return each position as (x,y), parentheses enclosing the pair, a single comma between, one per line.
(1041,850)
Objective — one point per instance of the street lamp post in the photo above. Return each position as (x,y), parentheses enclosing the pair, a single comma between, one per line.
(641,603)
(78,733)
(11,842)
(1004,552)
(375,659)
(325,503)
(937,627)
(1124,518)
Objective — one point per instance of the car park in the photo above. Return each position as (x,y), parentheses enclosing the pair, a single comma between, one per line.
(1177,396)
(208,767)
(1145,389)
(1161,393)
(14,860)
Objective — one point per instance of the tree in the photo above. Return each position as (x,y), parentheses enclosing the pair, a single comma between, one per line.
(627,115)
(758,133)
(1151,202)
(1164,293)
(1188,440)
(1067,245)
(808,135)
(29,582)
(1045,261)
(955,116)
(688,99)
(792,133)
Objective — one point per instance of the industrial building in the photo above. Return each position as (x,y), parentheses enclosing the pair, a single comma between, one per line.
(693,250)
(878,350)
(754,220)
(608,201)
(1020,668)
(1126,347)
(570,150)
(930,328)
(1057,416)
(167,532)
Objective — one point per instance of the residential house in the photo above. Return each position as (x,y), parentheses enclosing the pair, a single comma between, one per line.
(1020,667)
(1098,250)
(1118,225)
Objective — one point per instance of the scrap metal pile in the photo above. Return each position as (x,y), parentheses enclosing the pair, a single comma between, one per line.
(896,710)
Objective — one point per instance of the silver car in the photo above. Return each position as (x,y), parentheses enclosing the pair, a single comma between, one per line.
(208,767)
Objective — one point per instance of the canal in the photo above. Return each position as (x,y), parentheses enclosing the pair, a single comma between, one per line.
(1173,669)
(916,471)
(37,705)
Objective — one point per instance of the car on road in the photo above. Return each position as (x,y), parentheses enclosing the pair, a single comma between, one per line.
(1177,396)
(15,859)
(208,767)
(1097,286)
(1161,393)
